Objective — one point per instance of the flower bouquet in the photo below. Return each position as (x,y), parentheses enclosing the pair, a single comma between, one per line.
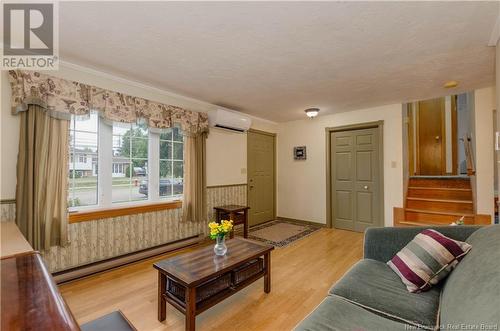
(218,231)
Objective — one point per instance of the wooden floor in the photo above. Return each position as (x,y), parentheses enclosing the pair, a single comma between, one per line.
(302,273)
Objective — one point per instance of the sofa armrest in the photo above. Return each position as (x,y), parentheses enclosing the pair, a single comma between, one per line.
(383,243)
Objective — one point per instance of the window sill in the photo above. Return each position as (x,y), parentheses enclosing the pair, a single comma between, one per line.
(91,215)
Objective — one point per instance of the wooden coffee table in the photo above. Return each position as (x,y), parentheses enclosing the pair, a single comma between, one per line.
(195,281)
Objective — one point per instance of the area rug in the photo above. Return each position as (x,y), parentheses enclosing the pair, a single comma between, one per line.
(281,233)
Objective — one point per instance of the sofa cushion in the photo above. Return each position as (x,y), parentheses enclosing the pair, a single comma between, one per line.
(427,259)
(382,244)
(336,314)
(373,285)
(471,295)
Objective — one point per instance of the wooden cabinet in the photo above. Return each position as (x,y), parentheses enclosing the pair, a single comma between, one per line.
(30,299)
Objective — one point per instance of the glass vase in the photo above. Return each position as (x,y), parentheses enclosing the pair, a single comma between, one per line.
(220,247)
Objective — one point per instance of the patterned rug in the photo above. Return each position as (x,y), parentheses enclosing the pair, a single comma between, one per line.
(281,233)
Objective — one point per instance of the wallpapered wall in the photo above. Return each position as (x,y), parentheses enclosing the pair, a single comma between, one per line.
(8,211)
(106,238)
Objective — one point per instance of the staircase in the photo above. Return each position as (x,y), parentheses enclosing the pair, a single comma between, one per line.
(438,201)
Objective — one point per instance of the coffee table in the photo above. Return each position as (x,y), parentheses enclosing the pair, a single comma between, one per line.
(194,281)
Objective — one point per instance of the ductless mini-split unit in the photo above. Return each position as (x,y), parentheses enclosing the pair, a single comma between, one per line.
(228,120)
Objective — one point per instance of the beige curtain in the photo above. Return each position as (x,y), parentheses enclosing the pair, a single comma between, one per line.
(194,204)
(42,174)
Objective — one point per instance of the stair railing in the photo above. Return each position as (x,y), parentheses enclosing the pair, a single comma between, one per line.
(469,155)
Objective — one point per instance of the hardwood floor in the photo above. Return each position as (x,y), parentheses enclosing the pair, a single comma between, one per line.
(302,273)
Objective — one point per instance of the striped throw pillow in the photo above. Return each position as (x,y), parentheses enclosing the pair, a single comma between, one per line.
(427,259)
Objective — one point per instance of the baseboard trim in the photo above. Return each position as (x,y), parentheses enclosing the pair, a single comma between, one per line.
(300,221)
(90,269)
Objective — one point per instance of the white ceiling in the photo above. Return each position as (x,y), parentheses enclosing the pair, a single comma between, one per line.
(274,59)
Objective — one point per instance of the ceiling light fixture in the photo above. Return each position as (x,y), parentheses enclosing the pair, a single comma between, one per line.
(450,84)
(312,112)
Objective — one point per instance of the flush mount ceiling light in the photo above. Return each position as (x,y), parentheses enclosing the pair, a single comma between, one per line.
(450,84)
(312,112)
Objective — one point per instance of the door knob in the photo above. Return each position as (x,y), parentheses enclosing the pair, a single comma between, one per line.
(365,187)
(437,138)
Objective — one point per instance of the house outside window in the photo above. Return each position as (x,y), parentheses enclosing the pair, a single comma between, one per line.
(171,163)
(130,162)
(83,183)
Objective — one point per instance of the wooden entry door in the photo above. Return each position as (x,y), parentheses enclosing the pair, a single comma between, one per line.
(356,199)
(260,163)
(431,145)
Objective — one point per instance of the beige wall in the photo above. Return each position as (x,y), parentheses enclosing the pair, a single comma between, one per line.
(226,161)
(302,184)
(226,157)
(9,142)
(484,104)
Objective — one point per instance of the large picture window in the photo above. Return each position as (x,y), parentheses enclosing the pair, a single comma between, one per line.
(135,164)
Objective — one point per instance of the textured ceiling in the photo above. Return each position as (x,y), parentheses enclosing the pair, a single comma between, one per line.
(274,59)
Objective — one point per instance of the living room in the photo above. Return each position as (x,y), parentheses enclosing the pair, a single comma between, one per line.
(161,120)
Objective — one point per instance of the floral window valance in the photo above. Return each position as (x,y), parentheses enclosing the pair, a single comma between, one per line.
(64,98)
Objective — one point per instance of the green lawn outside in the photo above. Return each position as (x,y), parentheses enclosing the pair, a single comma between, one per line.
(90,183)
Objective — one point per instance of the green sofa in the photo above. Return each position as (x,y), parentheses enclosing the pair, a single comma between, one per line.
(371,296)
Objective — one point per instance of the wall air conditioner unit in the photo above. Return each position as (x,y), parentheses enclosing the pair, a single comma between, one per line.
(224,119)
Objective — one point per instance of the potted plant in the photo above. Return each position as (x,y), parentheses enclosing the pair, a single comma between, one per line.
(218,231)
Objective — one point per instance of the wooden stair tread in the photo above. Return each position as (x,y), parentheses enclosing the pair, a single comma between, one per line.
(440,193)
(439,200)
(439,188)
(424,211)
(440,182)
(444,177)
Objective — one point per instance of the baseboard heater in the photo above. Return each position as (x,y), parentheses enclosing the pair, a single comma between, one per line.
(118,261)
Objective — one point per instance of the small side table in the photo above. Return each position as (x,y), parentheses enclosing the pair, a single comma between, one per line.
(238,214)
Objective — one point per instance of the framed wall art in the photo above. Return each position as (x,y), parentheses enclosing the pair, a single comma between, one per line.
(299,153)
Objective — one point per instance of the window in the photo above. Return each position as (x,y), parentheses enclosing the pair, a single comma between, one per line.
(171,163)
(82,174)
(135,164)
(130,162)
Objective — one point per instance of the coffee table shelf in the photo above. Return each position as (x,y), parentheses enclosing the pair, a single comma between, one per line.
(214,299)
